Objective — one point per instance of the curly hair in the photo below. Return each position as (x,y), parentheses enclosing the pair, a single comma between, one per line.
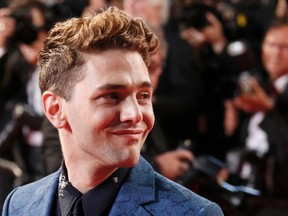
(63,52)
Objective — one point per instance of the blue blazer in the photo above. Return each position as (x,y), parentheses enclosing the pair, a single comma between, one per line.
(144,192)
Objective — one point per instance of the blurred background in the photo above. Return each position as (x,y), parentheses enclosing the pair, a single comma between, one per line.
(221,96)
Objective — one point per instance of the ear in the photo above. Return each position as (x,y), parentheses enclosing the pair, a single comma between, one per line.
(53,109)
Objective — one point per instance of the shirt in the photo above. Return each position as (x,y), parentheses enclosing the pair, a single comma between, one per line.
(97,201)
(281,83)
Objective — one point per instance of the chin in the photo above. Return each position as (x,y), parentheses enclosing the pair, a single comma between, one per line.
(131,161)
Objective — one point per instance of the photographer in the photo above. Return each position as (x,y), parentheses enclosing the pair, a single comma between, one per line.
(7,28)
(198,69)
(22,29)
(264,130)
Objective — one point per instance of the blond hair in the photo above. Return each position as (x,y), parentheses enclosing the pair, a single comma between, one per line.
(63,52)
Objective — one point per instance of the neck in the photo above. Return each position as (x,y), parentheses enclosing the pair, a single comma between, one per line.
(84,171)
(87,176)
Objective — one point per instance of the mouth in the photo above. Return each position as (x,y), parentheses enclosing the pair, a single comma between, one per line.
(128,132)
(134,134)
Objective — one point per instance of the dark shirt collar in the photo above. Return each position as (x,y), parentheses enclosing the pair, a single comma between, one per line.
(95,201)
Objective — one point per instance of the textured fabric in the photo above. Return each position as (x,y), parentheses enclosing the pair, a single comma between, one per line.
(144,192)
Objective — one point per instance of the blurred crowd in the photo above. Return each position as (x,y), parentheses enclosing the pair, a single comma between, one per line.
(220,101)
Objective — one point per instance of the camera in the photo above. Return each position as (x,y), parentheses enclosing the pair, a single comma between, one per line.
(205,165)
(244,83)
(195,16)
(25,31)
(240,66)
(223,174)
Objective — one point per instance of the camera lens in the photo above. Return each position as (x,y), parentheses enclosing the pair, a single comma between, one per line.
(25,31)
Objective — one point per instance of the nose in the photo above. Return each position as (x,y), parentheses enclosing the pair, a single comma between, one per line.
(131,111)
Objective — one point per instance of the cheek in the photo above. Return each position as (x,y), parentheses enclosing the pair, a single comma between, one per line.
(268,54)
(285,58)
(149,118)
(105,118)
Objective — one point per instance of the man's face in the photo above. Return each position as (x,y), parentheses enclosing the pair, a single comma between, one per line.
(275,52)
(110,112)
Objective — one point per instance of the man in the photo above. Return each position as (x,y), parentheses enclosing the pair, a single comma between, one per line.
(170,163)
(96,90)
(265,130)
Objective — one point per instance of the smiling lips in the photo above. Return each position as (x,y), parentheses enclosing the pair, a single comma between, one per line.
(128,132)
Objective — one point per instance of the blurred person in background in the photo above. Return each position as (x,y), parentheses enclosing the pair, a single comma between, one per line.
(261,157)
(208,68)
(92,7)
(155,12)
(196,81)
(264,101)
(23,28)
(65,9)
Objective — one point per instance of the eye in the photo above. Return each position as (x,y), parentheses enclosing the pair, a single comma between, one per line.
(112,96)
(145,96)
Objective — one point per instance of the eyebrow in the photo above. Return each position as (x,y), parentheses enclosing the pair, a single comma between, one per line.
(122,86)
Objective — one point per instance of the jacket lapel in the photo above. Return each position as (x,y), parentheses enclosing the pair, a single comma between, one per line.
(137,190)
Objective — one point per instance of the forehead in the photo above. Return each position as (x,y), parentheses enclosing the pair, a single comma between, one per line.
(278,34)
(116,65)
(114,59)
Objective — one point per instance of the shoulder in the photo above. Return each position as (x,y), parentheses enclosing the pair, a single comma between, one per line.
(157,194)
(181,200)
(39,186)
(32,198)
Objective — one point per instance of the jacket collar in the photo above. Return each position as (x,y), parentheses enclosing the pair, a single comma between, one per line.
(137,190)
